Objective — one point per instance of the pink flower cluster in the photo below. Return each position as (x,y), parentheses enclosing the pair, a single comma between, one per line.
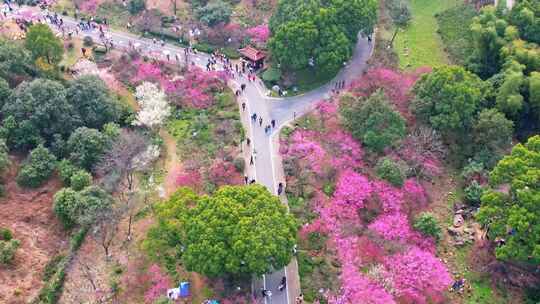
(396,86)
(340,218)
(194,90)
(160,283)
(259,33)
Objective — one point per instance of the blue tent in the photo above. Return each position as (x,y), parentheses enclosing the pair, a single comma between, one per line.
(184,289)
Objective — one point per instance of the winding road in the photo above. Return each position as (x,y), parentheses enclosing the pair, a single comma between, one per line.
(267,169)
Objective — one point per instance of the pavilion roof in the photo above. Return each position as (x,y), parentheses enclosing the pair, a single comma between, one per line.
(252,53)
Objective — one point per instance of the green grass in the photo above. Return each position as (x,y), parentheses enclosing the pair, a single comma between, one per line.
(454,25)
(419,45)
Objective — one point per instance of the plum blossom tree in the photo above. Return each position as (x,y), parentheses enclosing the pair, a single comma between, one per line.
(154,108)
(259,33)
(160,284)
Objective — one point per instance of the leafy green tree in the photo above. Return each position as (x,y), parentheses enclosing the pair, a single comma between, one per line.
(488,36)
(90,97)
(4,157)
(216,11)
(428,225)
(42,43)
(66,169)
(448,99)
(534,95)
(374,122)
(321,32)
(66,206)
(80,180)
(136,6)
(5,92)
(38,167)
(238,231)
(388,170)
(15,61)
(80,207)
(86,146)
(35,112)
(473,193)
(492,130)
(509,99)
(515,215)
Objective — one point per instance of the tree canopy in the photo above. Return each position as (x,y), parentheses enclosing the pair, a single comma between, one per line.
(324,31)
(38,167)
(514,215)
(374,122)
(42,43)
(92,99)
(86,146)
(238,231)
(448,99)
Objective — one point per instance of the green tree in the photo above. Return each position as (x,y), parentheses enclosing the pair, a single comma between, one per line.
(428,225)
(515,215)
(37,168)
(90,97)
(473,193)
(38,110)
(136,6)
(42,43)
(80,180)
(448,99)
(14,60)
(374,122)
(81,207)
(322,31)
(492,130)
(4,157)
(488,36)
(5,92)
(216,11)
(390,171)
(86,146)
(238,231)
(66,169)
(66,205)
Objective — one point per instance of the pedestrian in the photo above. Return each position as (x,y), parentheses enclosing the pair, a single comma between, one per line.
(273,123)
(251,162)
(246,179)
(260,121)
(294,115)
(252,182)
(280,189)
(254,117)
(243,106)
(243,86)
(282,284)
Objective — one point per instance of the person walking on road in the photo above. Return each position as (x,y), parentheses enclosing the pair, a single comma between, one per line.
(260,121)
(254,117)
(251,162)
(273,123)
(280,189)
(243,106)
(243,86)
(283,284)
(248,141)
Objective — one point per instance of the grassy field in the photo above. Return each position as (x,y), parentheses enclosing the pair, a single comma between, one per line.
(454,30)
(419,44)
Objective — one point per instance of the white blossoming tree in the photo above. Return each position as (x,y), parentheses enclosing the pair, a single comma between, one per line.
(154,108)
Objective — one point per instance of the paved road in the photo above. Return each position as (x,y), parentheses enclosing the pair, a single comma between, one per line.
(265,170)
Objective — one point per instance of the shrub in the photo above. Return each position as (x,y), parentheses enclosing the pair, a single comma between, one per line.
(80,180)
(136,6)
(66,170)
(5,234)
(390,171)
(7,250)
(39,166)
(67,203)
(214,12)
(271,75)
(428,225)
(88,41)
(473,193)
